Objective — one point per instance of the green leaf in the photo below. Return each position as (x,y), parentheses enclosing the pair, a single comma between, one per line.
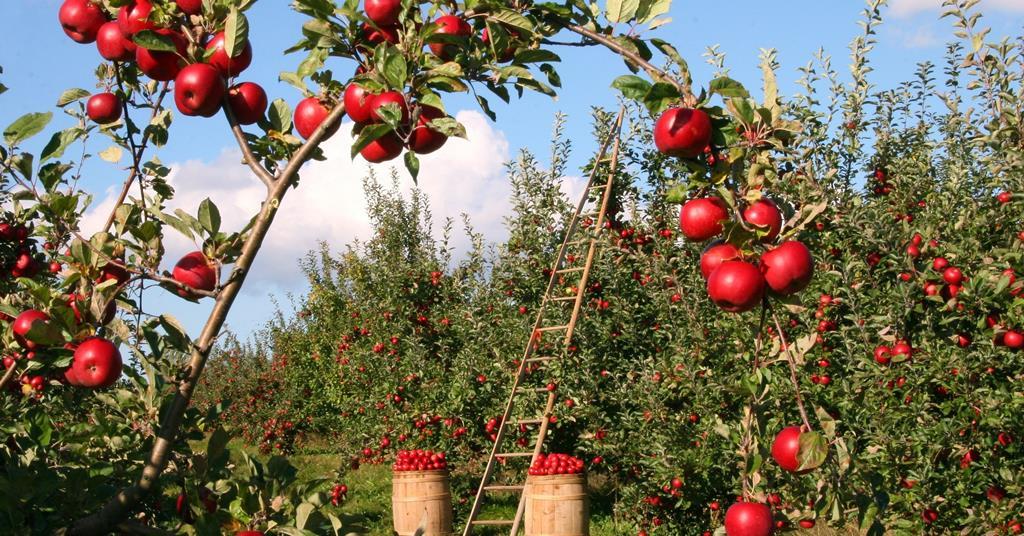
(396,70)
(112,154)
(448,126)
(514,19)
(71,95)
(535,56)
(209,216)
(26,126)
(280,115)
(367,135)
(632,86)
(727,87)
(649,9)
(412,163)
(59,142)
(236,33)
(150,40)
(621,10)
(813,451)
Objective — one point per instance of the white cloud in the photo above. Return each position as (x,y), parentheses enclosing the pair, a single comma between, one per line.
(465,176)
(904,8)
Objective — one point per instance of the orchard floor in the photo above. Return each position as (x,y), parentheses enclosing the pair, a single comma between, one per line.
(368,507)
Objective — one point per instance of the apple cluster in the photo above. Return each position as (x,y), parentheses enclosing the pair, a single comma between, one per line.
(96,362)
(200,85)
(338,494)
(420,460)
(556,464)
(18,252)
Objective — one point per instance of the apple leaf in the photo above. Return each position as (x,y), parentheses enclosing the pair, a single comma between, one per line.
(632,86)
(209,216)
(45,334)
(514,19)
(536,55)
(59,143)
(448,126)
(71,95)
(650,9)
(152,41)
(678,193)
(280,116)
(396,70)
(813,451)
(26,126)
(112,154)
(727,87)
(621,10)
(236,33)
(413,165)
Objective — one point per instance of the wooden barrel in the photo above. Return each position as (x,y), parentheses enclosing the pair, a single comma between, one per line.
(421,497)
(556,506)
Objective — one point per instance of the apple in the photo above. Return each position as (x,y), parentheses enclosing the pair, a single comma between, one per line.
(310,113)
(764,215)
(158,65)
(248,102)
(701,219)
(418,460)
(736,286)
(103,108)
(113,44)
(23,324)
(382,149)
(81,20)
(952,275)
(929,516)
(423,139)
(196,271)
(786,448)
(389,97)
(682,132)
(883,355)
(249,533)
(134,17)
(228,66)
(383,12)
(380,35)
(96,363)
(939,264)
(1004,197)
(199,90)
(190,7)
(451,25)
(555,464)
(71,378)
(1013,340)
(749,519)
(715,254)
(788,268)
(357,103)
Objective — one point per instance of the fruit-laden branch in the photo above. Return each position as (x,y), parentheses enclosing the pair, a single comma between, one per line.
(136,153)
(122,504)
(632,57)
(247,156)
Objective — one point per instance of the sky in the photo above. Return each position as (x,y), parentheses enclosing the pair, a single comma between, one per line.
(466,176)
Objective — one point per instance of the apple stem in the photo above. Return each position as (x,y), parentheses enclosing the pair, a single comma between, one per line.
(121,505)
(792,373)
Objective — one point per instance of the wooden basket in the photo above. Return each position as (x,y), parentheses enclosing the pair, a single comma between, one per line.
(557,506)
(421,497)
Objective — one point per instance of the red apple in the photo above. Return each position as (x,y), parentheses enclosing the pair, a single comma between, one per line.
(1004,197)
(357,103)
(103,108)
(383,12)
(682,132)
(952,275)
(113,44)
(736,286)
(97,363)
(196,271)
(749,519)
(788,268)
(929,516)
(423,139)
(786,449)
(249,533)
(1013,340)
(248,102)
(452,25)
(134,17)
(381,34)
(199,90)
(883,355)
(228,66)
(162,66)
(764,215)
(715,255)
(382,149)
(389,97)
(190,7)
(81,20)
(23,324)
(701,219)
(310,114)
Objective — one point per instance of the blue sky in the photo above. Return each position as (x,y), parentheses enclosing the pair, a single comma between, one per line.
(39,62)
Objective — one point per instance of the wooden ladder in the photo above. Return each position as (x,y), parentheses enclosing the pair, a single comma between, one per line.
(592,212)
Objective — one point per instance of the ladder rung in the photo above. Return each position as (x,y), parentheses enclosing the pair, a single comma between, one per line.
(491,522)
(569,270)
(564,298)
(514,455)
(580,242)
(553,328)
(541,359)
(504,488)
(532,389)
(528,421)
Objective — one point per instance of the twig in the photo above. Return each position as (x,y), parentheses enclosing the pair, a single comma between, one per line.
(631,56)
(792,373)
(243,144)
(7,376)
